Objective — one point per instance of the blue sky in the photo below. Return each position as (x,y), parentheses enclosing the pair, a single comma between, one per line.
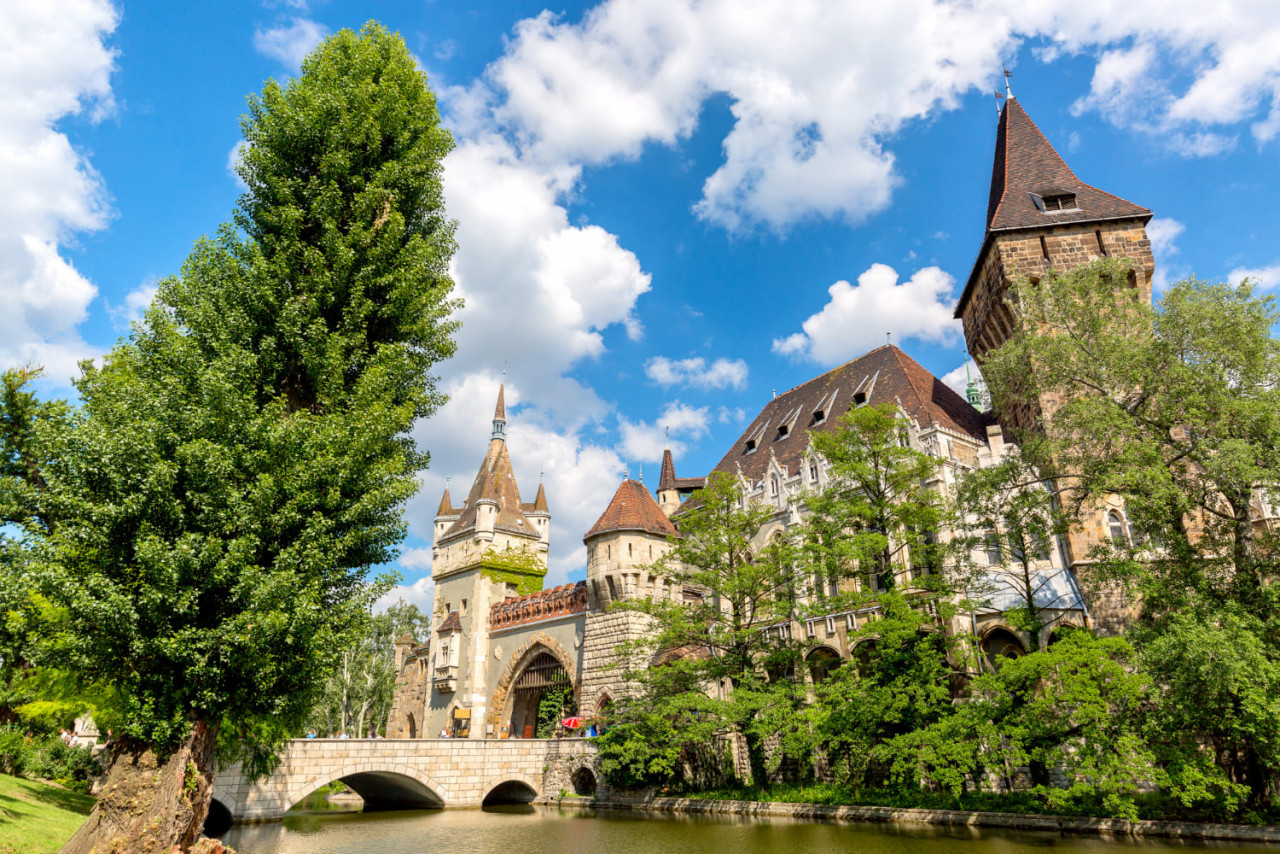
(667,209)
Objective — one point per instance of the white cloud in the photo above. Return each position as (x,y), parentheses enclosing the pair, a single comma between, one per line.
(1163,232)
(233,162)
(815,111)
(135,303)
(957,379)
(421,593)
(695,372)
(858,316)
(1267,278)
(289,43)
(55,63)
(645,441)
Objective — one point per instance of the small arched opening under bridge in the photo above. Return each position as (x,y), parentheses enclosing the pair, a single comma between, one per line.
(509,792)
(381,790)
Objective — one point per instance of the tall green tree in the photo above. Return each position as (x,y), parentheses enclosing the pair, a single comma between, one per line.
(357,695)
(724,642)
(1175,406)
(239,463)
(1013,519)
(879,517)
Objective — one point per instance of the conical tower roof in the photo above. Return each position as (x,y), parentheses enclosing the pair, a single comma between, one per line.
(667,480)
(632,509)
(496,482)
(1026,166)
(446,506)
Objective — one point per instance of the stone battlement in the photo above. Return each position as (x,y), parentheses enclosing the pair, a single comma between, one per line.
(557,602)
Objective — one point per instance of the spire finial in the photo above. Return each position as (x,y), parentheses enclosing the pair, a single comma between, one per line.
(500,414)
(971,392)
(626,471)
(888,339)
(1008,90)
(642,472)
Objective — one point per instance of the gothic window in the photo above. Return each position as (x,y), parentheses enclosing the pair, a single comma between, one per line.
(991,547)
(1117,529)
(773,485)
(813,471)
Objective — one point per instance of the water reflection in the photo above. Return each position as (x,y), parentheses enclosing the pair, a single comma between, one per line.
(524,828)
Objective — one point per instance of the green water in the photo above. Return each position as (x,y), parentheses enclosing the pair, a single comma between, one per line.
(534,830)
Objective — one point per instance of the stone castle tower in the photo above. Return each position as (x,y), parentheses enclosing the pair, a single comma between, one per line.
(491,548)
(1040,216)
(629,536)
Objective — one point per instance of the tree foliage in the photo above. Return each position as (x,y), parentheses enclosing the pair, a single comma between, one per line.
(204,521)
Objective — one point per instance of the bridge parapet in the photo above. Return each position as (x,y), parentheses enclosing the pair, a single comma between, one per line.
(407,773)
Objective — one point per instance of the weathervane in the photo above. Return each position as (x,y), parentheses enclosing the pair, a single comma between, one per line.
(1008,90)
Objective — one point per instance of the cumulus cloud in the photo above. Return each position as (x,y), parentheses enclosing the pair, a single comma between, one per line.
(957,379)
(1267,278)
(1163,232)
(678,424)
(289,43)
(696,373)
(815,112)
(135,303)
(60,66)
(857,316)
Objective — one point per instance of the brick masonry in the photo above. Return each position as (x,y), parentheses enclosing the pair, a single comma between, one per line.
(423,772)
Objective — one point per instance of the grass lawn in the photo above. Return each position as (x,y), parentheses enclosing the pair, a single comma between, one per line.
(36,818)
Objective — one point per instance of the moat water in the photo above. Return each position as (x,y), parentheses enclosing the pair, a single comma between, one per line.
(547,830)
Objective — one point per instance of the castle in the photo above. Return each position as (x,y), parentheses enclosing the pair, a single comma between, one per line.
(500,642)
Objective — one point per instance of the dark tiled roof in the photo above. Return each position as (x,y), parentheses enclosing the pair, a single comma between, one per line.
(1026,163)
(452,623)
(667,480)
(885,375)
(632,509)
(693,652)
(494,482)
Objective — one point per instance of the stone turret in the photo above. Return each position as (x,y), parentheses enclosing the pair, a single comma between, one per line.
(631,534)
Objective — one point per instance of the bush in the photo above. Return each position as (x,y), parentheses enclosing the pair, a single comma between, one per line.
(46,757)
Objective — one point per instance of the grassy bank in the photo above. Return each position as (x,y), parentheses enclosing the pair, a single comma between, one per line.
(36,818)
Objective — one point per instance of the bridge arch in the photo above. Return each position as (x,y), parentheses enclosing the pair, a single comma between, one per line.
(504,695)
(510,789)
(220,816)
(381,786)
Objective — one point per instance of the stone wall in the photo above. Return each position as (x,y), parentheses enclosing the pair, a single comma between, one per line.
(603,664)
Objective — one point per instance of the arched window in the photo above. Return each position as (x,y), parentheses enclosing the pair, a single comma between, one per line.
(991,548)
(1117,529)
(773,485)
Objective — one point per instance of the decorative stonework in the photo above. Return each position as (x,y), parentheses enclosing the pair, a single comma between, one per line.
(561,601)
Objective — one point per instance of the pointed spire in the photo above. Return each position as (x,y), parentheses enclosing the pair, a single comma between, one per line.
(667,480)
(446,505)
(500,417)
(971,390)
(540,503)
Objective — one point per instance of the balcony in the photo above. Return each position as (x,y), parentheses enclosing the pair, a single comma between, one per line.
(446,679)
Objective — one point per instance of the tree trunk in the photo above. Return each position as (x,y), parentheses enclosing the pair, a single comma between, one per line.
(151,803)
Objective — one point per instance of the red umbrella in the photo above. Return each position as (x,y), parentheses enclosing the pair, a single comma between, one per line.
(572,723)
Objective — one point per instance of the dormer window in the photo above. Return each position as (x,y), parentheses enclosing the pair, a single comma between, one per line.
(859,398)
(819,415)
(1064,202)
(751,445)
(783,431)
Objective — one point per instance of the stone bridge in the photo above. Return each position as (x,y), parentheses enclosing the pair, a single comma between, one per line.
(412,773)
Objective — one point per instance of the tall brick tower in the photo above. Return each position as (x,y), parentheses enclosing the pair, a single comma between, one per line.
(1040,216)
